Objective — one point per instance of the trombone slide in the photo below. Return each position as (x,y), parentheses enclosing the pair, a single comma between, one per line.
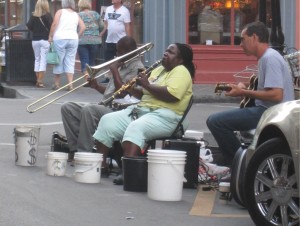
(92,72)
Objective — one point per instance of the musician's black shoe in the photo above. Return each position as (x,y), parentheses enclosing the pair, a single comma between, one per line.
(71,156)
(59,146)
(59,136)
(118,180)
(59,143)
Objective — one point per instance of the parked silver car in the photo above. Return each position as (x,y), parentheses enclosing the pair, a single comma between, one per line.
(271,181)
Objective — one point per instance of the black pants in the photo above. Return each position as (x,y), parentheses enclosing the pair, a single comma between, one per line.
(110,51)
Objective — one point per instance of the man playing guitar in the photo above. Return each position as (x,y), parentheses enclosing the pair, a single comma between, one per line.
(274,86)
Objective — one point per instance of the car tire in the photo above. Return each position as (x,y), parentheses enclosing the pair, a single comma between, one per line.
(272,192)
(237,181)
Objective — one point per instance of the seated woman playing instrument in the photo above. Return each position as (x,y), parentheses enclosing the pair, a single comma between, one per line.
(164,97)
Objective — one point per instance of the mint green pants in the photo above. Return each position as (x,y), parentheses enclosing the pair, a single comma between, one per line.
(150,124)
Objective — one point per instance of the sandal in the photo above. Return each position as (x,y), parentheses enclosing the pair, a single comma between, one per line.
(55,87)
(40,85)
(69,88)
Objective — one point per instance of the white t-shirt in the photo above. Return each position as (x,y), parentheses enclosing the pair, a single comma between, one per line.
(116,20)
(67,26)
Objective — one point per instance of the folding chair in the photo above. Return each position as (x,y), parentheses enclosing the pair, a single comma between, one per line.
(177,133)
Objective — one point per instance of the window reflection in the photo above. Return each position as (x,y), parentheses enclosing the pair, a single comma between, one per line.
(219,22)
(15,12)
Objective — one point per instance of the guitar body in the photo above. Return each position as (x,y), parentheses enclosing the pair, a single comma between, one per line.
(249,102)
(246,102)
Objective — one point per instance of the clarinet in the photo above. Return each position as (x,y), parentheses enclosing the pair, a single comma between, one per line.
(129,84)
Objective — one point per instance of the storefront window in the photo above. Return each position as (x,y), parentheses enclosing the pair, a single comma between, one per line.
(219,22)
(2,14)
(15,12)
(136,11)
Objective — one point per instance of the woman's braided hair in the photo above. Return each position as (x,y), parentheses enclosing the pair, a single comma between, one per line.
(186,53)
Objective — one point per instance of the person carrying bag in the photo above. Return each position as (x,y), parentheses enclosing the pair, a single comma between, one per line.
(52,56)
(39,24)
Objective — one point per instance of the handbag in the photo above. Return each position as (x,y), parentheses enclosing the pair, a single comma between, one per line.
(52,56)
(44,24)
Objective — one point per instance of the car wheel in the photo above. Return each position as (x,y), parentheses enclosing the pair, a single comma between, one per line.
(271,185)
(238,176)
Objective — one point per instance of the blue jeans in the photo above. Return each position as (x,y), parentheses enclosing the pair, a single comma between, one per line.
(87,55)
(223,124)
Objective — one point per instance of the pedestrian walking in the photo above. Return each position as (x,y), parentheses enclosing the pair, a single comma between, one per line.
(39,24)
(67,26)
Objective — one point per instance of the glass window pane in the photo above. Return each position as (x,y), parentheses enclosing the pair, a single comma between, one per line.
(219,22)
(136,12)
(15,12)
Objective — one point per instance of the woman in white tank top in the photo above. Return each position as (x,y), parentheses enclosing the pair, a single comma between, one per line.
(65,30)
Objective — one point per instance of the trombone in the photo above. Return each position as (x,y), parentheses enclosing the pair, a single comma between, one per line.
(92,73)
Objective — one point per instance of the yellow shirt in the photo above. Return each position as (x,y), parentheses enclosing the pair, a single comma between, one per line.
(179,84)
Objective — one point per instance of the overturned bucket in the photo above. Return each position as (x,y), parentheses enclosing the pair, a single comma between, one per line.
(166,174)
(135,171)
(26,145)
(56,163)
(87,167)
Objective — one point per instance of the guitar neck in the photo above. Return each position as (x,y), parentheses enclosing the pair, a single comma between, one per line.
(220,87)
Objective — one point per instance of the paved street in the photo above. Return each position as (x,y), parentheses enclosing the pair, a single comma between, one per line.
(30,197)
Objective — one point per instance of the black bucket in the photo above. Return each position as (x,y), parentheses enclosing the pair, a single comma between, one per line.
(135,173)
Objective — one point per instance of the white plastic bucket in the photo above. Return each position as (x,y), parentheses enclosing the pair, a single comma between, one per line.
(56,163)
(87,167)
(26,145)
(165,174)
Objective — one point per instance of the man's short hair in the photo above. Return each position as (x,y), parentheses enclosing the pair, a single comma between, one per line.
(258,28)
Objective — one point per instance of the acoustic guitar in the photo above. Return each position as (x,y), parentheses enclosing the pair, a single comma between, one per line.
(246,101)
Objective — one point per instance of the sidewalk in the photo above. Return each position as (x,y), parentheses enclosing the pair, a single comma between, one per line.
(203,93)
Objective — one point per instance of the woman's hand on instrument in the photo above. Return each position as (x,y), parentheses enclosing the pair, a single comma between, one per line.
(142,80)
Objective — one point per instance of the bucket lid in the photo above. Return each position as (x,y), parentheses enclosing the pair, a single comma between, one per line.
(88,155)
(26,128)
(167,161)
(167,152)
(52,154)
(138,158)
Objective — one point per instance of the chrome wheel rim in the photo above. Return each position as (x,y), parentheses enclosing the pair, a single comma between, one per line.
(276,191)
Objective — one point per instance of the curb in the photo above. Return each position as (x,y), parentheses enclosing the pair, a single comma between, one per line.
(12,92)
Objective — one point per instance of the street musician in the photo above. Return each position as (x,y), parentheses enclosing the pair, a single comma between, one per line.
(80,121)
(164,97)
(274,86)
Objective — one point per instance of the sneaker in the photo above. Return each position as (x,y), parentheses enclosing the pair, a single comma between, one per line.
(55,87)
(206,155)
(226,178)
(215,170)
